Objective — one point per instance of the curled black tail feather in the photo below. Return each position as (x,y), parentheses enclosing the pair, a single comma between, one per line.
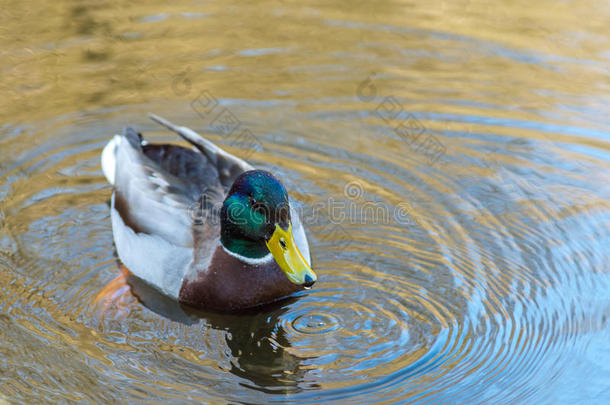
(133,136)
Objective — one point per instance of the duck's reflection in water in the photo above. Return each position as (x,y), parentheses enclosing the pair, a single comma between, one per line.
(258,346)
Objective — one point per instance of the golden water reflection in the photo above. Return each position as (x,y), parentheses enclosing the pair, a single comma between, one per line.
(493,287)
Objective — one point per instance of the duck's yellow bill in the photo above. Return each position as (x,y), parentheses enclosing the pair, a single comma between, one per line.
(287,255)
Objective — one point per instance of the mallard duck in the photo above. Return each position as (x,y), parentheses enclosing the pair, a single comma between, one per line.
(201,225)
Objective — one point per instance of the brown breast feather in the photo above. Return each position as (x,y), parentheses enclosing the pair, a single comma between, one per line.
(230,284)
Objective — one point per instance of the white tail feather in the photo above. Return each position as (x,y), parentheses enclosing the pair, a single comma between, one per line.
(109,158)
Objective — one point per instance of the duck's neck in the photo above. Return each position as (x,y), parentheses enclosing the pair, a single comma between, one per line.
(243,247)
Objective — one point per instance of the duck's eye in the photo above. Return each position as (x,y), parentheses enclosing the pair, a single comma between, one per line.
(252,200)
(283,244)
(259,207)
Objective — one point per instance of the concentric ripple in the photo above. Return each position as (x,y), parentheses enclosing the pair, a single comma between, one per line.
(474,292)
(475,308)
(450,165)
(315,324)
(355,329)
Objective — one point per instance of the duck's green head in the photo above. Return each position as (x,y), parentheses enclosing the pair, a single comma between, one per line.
(255,221)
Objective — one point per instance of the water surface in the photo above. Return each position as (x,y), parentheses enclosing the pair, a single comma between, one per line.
(451,161)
